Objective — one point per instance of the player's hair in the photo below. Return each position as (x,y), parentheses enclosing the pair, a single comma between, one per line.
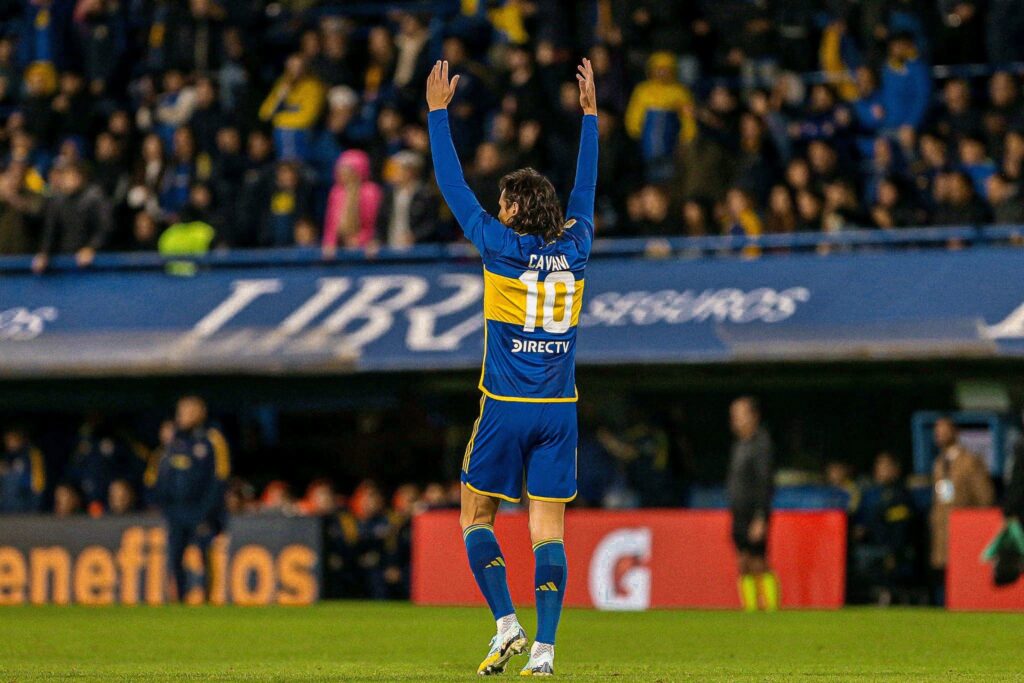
(540,212)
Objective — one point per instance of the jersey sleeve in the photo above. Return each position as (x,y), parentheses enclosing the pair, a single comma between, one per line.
(480,228)
(581,200)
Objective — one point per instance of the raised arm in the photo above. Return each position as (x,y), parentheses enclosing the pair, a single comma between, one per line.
(447,169)
(581,200)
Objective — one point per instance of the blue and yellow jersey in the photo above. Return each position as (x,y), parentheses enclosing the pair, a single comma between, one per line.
(533,291)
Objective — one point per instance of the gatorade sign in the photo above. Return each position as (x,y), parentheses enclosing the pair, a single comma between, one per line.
(640,559)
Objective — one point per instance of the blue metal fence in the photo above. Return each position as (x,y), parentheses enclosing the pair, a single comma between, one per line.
(689,247)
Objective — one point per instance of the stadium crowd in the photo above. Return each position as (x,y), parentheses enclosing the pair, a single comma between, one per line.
(189,126)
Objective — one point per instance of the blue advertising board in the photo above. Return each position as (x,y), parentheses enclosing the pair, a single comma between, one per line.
(393,316)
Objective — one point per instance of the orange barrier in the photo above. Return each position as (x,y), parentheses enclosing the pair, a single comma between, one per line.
(968,580)
(640,559)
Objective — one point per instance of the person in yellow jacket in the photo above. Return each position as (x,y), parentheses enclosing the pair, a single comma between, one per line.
(293,107)
(660,112)
(661,92)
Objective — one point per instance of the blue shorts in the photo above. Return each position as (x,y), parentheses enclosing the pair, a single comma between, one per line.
(515,442)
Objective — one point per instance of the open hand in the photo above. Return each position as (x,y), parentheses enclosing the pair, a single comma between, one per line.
(439,89)
(588,98)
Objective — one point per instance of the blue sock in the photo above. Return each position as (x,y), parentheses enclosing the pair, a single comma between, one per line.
(488,565)
(550,573)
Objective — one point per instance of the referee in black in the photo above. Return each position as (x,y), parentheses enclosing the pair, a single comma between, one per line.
(750,497)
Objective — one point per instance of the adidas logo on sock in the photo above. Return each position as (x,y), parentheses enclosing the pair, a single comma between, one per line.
(549,586)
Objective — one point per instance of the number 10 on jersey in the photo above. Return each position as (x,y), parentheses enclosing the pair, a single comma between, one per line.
(549,294)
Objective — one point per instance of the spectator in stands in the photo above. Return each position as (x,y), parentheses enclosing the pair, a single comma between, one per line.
(22,474)
(121,497)
(883,531)
(906,85)
(1007,203)
(66,501)
(287,203)
(659,115)
(77,220)
(148,175)
(1004,109)
(956,201)
(808,208)
(892,209)
(180,174)
(974,161)
(353,204)
(408,209)
(960,480)
(741,220)
(207,118)
(781,216)
(868,111)
(841,210)
(695,219)
(20,207)
(957,117)
(655,216)
(174,106)
(750,487)
(293,107)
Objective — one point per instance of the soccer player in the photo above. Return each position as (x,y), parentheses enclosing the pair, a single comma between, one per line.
(534,257)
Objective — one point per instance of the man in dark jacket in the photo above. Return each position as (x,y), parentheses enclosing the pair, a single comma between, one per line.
(191,481)
(78,220)
(750,488)
(408,214)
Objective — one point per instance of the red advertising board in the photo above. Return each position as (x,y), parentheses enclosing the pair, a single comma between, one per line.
(968,580)
(640,559)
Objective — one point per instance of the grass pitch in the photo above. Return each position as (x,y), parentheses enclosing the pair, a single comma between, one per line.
(400,642)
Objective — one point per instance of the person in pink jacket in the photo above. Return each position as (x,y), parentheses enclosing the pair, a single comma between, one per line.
(352,205)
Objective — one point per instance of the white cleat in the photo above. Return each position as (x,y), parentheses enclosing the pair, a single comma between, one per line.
(542,661)
(504,647)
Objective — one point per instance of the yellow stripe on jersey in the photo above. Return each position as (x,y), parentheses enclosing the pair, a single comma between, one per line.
(505,300)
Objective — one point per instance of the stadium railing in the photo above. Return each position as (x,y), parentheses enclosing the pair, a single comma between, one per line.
(665,247)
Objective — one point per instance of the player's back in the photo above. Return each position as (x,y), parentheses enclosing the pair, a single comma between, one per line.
(533,293)
(533,285)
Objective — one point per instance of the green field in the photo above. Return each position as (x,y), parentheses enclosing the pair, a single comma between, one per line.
(399,642)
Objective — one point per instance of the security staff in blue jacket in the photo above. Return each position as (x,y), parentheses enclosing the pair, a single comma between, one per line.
(191,482)
(22,474)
